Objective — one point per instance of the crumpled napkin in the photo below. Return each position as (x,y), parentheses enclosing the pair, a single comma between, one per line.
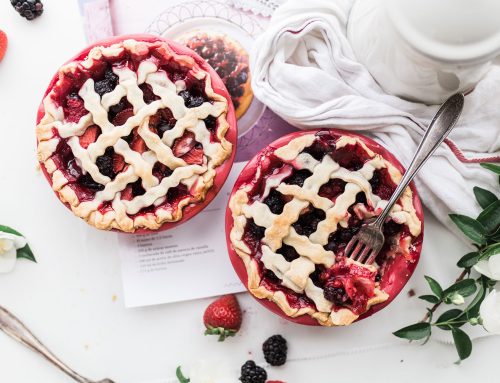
(304,69)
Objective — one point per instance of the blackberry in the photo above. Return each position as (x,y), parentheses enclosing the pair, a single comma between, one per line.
(191,100)
(210,123)
(275,201)
(335,295)
(257,232)
(107,84)
(137,189)
(288,252)
(308,222)
(88,182)
(29,9)
(298,177)
(275,350)
(105,163)
(392,228)
(251,373)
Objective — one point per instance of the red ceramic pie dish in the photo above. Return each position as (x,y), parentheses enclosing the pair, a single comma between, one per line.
(390,278)
(221,170)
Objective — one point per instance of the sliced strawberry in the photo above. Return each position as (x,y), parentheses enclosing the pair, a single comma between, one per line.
(183,144)
(126,194)
(118,163)
(122,117)
(194,157)
(75,109)
(90,136)
(138,144)
(3,44)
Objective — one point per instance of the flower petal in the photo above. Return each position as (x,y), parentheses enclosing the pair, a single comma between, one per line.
(490,312)
(494,266)
(19,242)
(8,261)
(483,267)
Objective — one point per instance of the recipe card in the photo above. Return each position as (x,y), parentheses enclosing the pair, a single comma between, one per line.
(188,262)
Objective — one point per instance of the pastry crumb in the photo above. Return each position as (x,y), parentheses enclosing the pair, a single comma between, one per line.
(114,297)
(411,293)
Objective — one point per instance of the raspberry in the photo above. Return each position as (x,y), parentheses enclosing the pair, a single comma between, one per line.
(275,350)
(29,9)
(251,373)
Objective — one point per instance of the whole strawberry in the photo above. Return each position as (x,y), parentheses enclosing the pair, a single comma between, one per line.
(3,44)
(223,317)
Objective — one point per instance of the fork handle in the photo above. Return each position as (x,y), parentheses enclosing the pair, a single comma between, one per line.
(13,327)
(441,125)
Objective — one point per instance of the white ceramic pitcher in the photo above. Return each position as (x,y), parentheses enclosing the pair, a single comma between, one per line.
(426,50)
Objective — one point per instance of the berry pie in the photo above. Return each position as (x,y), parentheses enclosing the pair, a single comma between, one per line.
(292,212)
(134,134)
(229,60)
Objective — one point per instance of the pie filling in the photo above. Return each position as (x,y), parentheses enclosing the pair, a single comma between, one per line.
(295,216)
(132,133)
(229,60)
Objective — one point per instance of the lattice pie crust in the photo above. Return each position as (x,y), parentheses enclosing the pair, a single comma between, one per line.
(295,275)
(123,214)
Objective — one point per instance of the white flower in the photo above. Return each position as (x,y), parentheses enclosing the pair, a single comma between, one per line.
(490,312)
(9,244)
(490,267)
(457,299)
(213,371)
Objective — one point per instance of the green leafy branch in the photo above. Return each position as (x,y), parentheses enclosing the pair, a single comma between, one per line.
(484,232)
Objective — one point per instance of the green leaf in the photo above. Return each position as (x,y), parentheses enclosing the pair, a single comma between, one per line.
(448,316)
(490,251)
(430,298)
(415,331)
(495,237)
(470,227)
(180,376)
(484,197)
(24,252)
(463,343)
(494,168)
(465,287)
(435,286)
(472,310)
(468,260)
(490,217)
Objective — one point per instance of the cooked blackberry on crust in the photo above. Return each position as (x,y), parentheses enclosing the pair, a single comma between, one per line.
(132,133)
(296,208)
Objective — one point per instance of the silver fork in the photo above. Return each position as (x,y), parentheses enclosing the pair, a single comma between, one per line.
(13,327)
(366,244)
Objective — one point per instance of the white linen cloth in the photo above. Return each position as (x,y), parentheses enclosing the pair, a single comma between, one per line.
(304,69)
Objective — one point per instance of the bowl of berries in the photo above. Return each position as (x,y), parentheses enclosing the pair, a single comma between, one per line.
(136,133)
(292,212)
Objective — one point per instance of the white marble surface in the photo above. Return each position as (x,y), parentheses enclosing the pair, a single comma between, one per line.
(72,299)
